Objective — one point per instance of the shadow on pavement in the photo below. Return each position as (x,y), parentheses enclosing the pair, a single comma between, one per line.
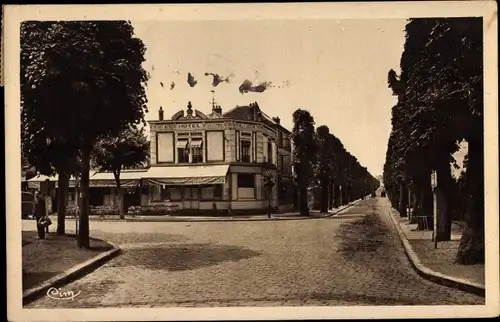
(364,235)
(362,299)
(183,257)
(347,216)
(31,279)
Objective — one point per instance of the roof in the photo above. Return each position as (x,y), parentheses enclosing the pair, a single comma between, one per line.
(246,113)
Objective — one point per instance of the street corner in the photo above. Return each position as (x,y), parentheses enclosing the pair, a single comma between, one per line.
(61,267)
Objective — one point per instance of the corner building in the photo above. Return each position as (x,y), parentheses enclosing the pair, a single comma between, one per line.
(203,163)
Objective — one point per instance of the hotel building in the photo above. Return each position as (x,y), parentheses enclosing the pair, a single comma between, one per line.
(205,162)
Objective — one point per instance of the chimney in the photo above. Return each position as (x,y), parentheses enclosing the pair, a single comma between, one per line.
(254,107)
(160,114)
(276,120)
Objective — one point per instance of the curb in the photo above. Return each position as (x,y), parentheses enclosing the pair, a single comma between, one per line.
(243,219)
(342,209)
(234,219)
(71,274)
(428,273)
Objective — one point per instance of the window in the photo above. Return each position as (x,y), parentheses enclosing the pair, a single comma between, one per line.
(212,192)
(218,191)
(182,151)
(174,193)
(269,152)
(196,151)
(186,193)
(245,150)
(190,193)
(246,180)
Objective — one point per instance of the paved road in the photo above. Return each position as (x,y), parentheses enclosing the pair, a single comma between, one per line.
(355,258)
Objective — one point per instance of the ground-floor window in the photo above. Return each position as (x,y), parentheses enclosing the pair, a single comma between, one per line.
(96,195)
(163,193)
(246,180)
(211,192)
(179,193)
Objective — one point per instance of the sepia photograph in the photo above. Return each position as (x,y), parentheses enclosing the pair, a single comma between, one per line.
(299,160)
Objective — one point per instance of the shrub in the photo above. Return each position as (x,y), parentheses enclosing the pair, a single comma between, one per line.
(153,210)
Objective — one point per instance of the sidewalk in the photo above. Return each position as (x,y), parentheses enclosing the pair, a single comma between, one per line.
(314,214)
(56,259)
(438,260)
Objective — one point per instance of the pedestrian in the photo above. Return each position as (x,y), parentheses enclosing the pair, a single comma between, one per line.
(40,212)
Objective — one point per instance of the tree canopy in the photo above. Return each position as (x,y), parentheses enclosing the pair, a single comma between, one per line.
(80,81)
(440,103)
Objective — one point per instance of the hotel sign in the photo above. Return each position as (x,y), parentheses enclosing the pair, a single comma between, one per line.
(199,126)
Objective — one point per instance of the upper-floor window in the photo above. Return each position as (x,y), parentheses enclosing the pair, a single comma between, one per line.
(196,151)
(245,149)
(189,147)
(269,152)
(182,151)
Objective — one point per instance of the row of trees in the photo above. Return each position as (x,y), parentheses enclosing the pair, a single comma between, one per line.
(320,159)
(82,85)
(440,103)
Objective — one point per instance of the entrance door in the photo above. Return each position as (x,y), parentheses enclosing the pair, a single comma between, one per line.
(131,197)
(190,197)
(195,197)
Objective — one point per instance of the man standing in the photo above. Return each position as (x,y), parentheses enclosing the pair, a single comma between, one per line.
(40,213)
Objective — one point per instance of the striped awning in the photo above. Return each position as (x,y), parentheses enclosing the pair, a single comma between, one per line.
(107,179)
(187,175)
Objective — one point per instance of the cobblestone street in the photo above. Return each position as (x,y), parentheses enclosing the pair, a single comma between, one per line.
(354,258)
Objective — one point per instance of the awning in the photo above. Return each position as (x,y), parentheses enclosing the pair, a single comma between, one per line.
(187,175)
(181,144)
(107,179)
(196,143)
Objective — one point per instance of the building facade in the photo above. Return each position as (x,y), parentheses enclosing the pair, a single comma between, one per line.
(201,163)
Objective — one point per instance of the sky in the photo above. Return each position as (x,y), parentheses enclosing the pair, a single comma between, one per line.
(335,69)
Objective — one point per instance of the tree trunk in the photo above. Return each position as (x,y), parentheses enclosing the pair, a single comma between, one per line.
(403,199)
(269,203)
(413,206)
(427,201)
(324,196)
(119,194)
(471,249)
(445,186)
(304,207)
(331,202)
(417,201)
(83,234)
(63,183)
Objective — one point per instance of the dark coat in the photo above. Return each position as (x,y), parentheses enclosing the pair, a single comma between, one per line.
(40,208)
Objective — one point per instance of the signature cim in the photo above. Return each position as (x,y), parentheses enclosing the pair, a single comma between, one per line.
(60,294)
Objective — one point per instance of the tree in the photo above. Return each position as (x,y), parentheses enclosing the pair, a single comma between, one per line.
(303,154)
(324,168)
(127,151)
(440,103)
(268,182)
(80,81)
